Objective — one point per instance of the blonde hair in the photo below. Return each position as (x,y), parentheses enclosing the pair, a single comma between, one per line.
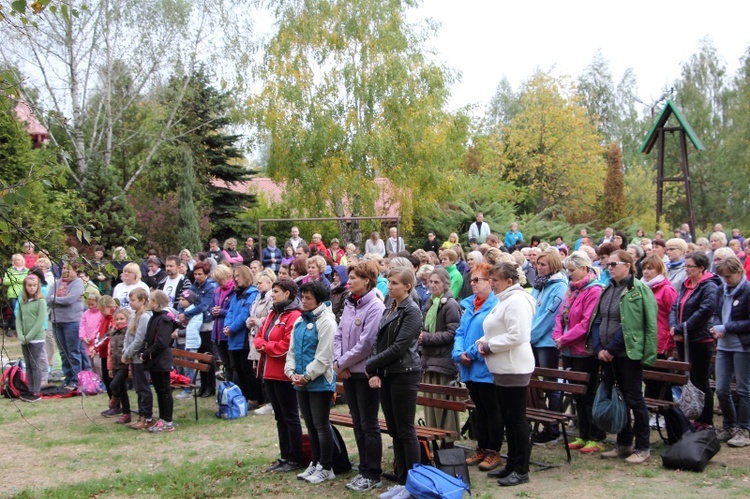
(105,302)
(553,259)
(126,313)
(404,275)
(38,295)
(222,272)
(318,261)
(134,269)
(160,297)
(141,295)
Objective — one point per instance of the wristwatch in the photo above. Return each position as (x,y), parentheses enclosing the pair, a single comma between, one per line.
(307,378)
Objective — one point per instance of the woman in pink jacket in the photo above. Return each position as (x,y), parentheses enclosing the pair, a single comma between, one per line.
(571,327)
(655,277)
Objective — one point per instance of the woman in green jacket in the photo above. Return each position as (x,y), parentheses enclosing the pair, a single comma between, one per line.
(32,312)
(624,338)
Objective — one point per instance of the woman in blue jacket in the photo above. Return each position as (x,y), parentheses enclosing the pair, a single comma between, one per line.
(549,290)
(309,364)
(237,333)
(474,372)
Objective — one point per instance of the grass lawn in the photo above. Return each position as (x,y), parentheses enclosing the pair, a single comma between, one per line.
(64,448)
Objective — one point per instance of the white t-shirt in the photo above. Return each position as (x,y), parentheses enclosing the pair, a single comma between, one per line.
(122,292)
(170,287)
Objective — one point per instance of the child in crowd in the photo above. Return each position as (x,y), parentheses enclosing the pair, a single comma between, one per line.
(187,302)
(131,355)
(157,358)
(30,327)
(99,352)
(89,328)
(116,368)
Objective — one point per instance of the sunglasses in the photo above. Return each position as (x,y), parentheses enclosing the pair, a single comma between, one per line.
(475,280)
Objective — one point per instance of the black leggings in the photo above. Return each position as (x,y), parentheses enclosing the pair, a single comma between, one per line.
(489,419)
(119,387)
(284,403)
(316,409)
(160,380)
(208,378)
(585,403)
(105,377)
(398,397)
(700,369)
(512,400)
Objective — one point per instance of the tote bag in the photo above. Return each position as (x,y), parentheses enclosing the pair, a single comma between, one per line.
(692,399)
(609,412)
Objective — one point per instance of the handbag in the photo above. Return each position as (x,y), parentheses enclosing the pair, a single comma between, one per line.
(426,482)
(692,398)
(692,452)
(609,411)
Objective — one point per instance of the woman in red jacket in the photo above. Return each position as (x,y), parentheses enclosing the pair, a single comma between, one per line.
(272,343)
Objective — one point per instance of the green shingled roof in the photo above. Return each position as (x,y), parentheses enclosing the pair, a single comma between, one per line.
(668,110)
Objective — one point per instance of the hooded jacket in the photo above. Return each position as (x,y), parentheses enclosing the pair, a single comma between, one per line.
(274,336)
(507,332)
(571,331)
(358,329)
(396,347)
(311,350)
(549,301)
(438,346)
(695,313)
(156,353)
(469,330)
(221,298)
(739,315)
(339,292)
(665,295)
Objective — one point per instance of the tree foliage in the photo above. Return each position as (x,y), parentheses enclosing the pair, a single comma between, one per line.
(188,235)
(613,202)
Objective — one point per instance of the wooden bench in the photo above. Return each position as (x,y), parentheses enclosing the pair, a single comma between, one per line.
(455,401)
(671,372)
(567,383)
(201,362)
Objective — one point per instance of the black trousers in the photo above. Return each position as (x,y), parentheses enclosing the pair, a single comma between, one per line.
(629,376)
(700,369)
(398,397)
(363,404)
(512,400)
(489,420)
(160,379)
(244,375)
(284,402)
(208,378)
(316,409)
(119,387)
(585,403)
(105,377)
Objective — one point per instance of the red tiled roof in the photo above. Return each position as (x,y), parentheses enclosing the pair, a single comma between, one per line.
(33,127)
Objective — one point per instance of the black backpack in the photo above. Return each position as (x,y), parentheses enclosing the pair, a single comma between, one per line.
(340,463)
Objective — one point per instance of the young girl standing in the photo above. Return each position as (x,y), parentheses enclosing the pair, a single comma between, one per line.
(100,350)
(89,327)
(30,327)
(131,354)
(157,358)
(116,368)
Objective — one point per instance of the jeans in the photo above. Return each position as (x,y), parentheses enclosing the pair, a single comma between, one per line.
(35,358)
(11,324)
(85,359)
(489,419)
(119,387)
(316,409)
(629,376)
(549,357)
(398,397)
(284,402)
(244,376)
(585,403)
(143,390)
(160,379)
(66,335)
(727,364)
(512,400)
(700,369)
(363,404)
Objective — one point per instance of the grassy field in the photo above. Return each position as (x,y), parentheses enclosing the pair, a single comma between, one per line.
(64,448)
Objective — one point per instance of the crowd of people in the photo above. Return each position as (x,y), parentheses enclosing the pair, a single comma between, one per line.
(289,321)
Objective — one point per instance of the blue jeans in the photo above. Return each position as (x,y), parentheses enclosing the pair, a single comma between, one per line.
(727,364)
(66,336)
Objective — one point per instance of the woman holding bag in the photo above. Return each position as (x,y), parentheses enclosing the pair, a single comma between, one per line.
(623,336)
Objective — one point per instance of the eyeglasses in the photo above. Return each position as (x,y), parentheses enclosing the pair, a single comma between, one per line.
(670,249)
(691,266)
(475,280)
(615,264)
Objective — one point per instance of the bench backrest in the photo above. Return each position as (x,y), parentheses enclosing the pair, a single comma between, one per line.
(668,371)
(455,396)
(573,382)
(192,360)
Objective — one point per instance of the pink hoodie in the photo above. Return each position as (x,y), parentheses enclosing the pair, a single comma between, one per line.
(89,326)
(573,341)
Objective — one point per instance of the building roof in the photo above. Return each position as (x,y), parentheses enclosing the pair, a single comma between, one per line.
(669,110)
(26,116)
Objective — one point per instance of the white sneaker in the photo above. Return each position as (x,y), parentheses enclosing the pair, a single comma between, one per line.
(310,471)
(264,410)
(354,481)
(392,492)
(184,395)
(404,494)
(321,476)
(740,439)
(364,484)
(652,422)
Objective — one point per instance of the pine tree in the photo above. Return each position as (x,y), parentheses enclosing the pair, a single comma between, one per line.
(187,215)
(613,202)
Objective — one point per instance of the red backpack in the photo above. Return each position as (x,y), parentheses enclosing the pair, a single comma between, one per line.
(13,381)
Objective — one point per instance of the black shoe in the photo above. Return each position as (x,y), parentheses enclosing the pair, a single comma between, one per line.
(545,438)
(289,466)
(514,479)
(499,473)
(275,466)
(206,394)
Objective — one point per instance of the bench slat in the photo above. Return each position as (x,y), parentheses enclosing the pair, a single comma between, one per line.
(554,386)
(562,374)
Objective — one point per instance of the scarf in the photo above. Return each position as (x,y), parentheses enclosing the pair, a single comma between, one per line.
(672,265)
(540,282)
(574,289)
(430,318)
(653,282)
(478,302)
(62,287)
(278,308)
(238,292)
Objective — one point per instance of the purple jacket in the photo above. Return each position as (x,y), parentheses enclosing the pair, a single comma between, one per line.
(355,337)
(222,298)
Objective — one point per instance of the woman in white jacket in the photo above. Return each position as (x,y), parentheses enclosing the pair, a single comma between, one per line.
(507,350)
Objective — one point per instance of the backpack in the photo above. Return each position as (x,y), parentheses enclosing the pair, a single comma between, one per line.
(340,461)
(232,404)
(426,482)
(13,381)
(89,383)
